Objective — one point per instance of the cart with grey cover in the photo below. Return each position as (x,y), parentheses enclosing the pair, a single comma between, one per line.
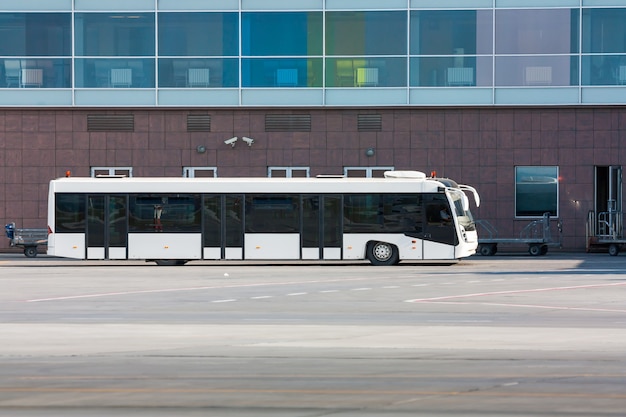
(28,239)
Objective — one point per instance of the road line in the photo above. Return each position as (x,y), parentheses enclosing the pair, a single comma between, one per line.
(209,287)
(537,306)
(485,294)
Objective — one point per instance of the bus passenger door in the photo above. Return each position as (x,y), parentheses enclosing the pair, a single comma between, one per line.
(107,227)
(322,227)
(222,230)
(439,233)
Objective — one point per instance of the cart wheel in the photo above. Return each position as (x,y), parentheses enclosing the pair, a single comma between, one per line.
(534,250)
(544,249)
(613,249)
(30,251)
(487,250)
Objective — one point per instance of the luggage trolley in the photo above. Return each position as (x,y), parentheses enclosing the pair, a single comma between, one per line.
(536,234)
(28,239)
(605,230)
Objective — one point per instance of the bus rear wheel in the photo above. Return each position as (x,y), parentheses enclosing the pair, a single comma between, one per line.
(382,253)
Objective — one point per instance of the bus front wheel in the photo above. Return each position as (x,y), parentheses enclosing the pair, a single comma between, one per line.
(382,253)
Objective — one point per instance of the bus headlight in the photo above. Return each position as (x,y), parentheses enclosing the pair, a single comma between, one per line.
(463,234)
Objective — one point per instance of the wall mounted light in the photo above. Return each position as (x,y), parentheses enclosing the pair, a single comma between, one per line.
(201,149)
(370,152)
(232,141)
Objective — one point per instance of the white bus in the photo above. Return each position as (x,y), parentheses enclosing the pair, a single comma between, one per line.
(404,216)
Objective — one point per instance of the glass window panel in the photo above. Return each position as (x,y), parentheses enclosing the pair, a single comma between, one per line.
(453,71)
(43,73)
(446,32)
(366,72)
(604,30)
(164,213)
(114,34)
(310,221)
(212,222)
(366,33)
(198,34)
(114,73)
(281,72)
(536,71)
(70,213)
(274,33)
(23,34)
(272,213)
(604,69)
(538,31)
(536,190)
(197,72)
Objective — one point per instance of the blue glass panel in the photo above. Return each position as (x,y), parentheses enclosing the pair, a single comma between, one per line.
(198,73)
(281,34)
(39,73)
(604,30)
(198,34)
(538,31)
(114,34)
(114,73)
(366,33)
(281,72)
(445,32)
(604,70)
(36,34)
(366,72)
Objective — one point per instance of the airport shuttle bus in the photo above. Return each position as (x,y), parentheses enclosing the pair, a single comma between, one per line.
(404,216)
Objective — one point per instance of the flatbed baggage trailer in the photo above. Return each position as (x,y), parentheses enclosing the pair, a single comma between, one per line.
(536,234)
(29,239)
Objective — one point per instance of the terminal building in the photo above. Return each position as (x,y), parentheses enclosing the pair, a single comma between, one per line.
(525,100)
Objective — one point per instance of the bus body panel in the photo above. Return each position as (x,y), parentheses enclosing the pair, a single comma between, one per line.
(311,253)
(355,245)
(67,245)
(436,250)
(272,246)
(212,253)
(332,253)
(164,246)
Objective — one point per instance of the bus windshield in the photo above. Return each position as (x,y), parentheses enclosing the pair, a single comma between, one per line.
(464,216)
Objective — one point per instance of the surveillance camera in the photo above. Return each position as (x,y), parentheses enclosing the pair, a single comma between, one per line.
(231,141)
(249,141)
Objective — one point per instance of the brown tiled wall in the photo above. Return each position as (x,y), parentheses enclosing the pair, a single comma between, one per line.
(475,146)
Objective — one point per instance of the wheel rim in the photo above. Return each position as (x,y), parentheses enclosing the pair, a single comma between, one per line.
(382,251)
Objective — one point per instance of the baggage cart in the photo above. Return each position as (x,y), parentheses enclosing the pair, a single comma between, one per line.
(536,234)
(605,231)
(28,239)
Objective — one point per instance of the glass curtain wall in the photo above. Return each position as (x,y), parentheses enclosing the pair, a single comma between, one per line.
(36,50)
(538,47)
